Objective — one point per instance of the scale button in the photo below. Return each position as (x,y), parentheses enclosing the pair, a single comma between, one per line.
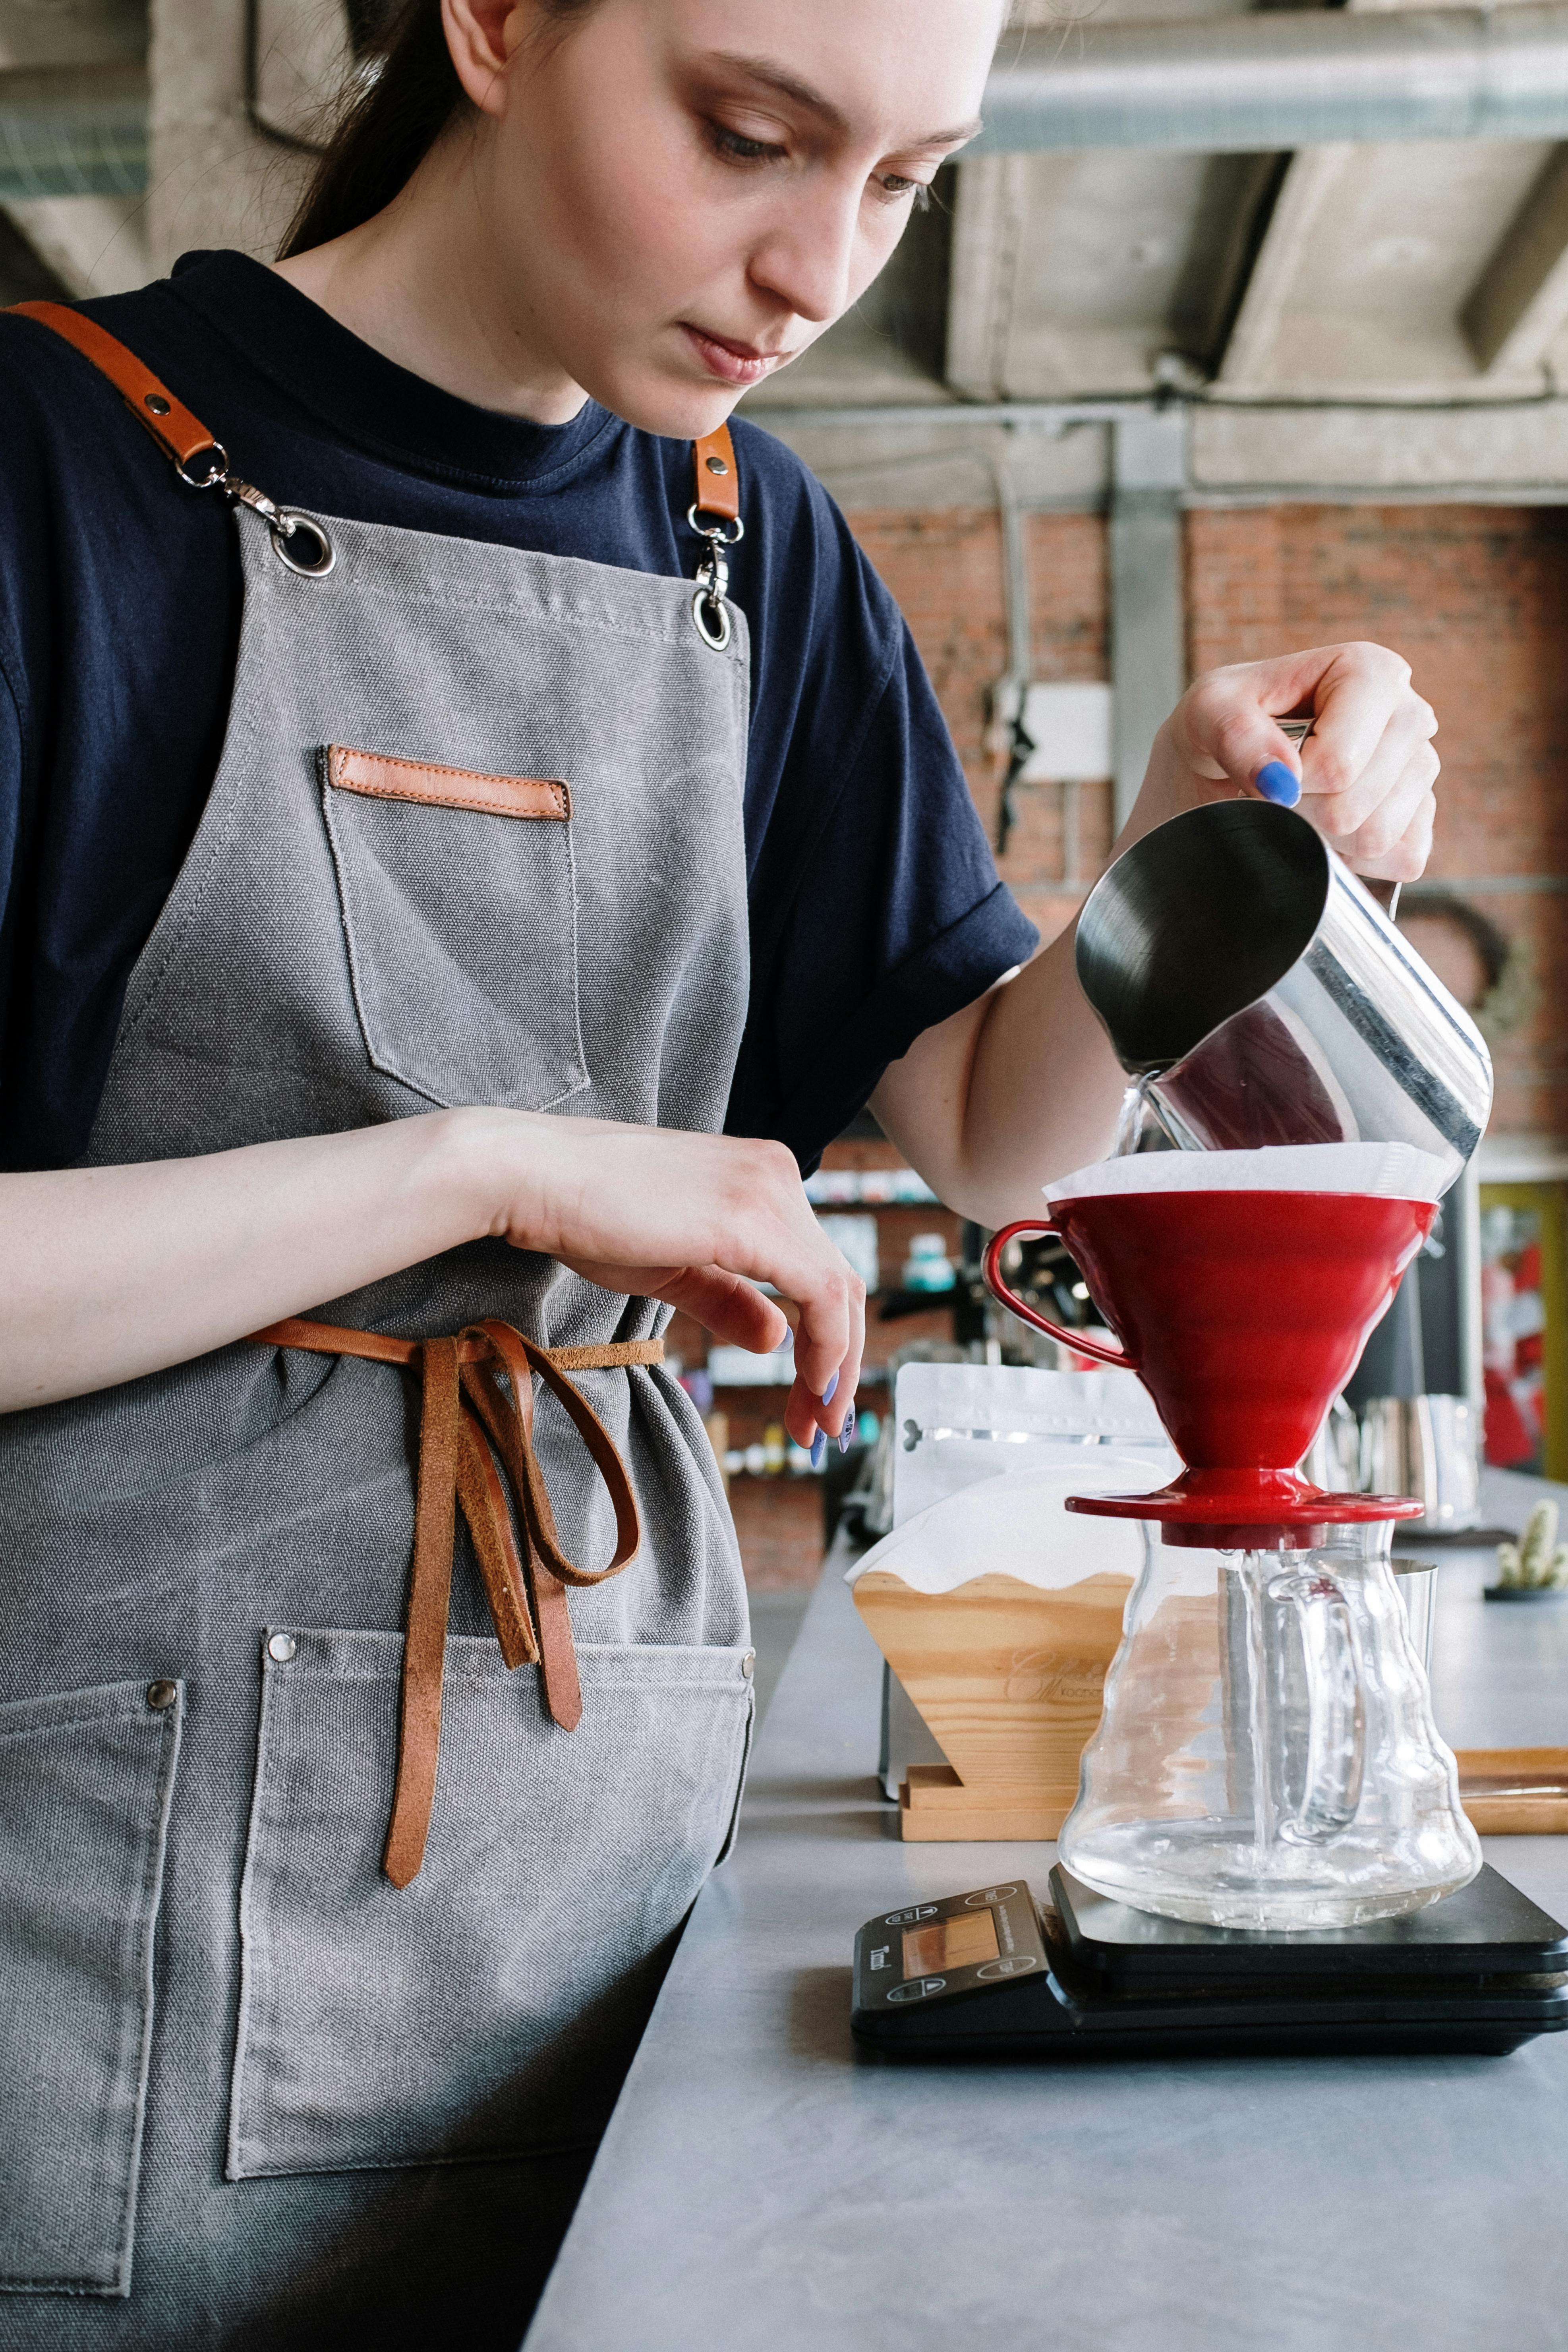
(1015,1967)
(907,1918)
(989,1895)
(918,1990)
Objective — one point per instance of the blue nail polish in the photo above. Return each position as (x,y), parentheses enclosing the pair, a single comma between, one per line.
(827,1392)
(819,1448)
(1276,782)
(847,1434)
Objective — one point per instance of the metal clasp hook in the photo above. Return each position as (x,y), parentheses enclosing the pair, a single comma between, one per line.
(299,540)
(708,609)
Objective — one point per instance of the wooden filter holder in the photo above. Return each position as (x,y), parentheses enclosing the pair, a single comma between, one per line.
(1515,1792)
(1009,1678)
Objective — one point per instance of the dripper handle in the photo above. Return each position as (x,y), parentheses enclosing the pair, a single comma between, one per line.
(1336,1712)
(1040,1229)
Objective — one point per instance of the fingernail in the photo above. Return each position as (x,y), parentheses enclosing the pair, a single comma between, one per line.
(847,1434)
(819,1448)
(827,1392)
(1276,782)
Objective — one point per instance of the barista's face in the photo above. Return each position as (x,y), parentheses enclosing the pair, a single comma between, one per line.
(679,195)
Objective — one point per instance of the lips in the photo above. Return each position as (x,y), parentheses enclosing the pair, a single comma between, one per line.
(731,363)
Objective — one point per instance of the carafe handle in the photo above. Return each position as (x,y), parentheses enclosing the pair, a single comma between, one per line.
(1336,1713)
(1040,1229)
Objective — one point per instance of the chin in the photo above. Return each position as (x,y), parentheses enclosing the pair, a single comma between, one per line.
(659,403)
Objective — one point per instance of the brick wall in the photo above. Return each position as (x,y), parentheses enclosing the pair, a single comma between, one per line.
(1475,597)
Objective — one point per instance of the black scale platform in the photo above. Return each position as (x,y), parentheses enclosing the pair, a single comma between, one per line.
(993,1973)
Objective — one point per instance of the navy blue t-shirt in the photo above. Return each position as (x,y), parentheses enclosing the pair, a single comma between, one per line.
(874,907)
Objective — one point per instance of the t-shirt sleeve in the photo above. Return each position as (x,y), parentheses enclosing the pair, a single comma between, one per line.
(876,910)
(11,756)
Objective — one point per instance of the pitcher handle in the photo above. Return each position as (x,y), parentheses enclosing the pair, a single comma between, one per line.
(1039,1228)
(1336,1711)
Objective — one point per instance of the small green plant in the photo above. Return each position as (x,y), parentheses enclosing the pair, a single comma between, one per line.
(1537,1562)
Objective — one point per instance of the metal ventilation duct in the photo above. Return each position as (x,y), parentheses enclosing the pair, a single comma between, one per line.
(1282,80)
(1275,81)
(73,133)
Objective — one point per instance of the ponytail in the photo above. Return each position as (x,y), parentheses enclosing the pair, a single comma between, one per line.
(407,92)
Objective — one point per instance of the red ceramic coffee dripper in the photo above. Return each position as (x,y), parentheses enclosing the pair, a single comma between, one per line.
(1243,1314)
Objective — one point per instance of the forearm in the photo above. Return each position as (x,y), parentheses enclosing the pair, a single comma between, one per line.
(1018,1089)
(108,1273)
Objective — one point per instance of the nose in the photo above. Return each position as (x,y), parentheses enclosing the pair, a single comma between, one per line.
(806,257)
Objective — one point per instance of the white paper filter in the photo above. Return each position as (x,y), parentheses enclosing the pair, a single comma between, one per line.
(1385,1171)
(1021,1526)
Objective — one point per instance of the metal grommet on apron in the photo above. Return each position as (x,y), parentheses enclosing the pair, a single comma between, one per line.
(475,836)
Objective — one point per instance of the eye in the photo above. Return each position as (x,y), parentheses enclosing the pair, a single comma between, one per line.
(895,188)
(736,148)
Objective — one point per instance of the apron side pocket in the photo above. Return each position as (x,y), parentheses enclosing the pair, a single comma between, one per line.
(85,1782)
(490,2008)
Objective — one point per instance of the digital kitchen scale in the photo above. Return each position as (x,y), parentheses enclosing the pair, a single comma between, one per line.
(995,1974)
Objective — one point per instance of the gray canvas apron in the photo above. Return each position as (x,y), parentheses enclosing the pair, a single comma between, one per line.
(250,2091)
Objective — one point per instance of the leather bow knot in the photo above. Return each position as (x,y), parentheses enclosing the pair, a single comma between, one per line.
(476,1450)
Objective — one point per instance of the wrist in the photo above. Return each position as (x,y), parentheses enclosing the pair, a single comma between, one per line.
(1165,792)
(471,1166)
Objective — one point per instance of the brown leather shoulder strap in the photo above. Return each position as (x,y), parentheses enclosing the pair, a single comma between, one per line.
(718,477)
(178,433)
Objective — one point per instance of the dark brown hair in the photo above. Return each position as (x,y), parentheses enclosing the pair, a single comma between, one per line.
(404,94)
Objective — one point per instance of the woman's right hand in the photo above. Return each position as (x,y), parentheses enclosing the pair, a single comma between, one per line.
(109,1273)
(696,1220)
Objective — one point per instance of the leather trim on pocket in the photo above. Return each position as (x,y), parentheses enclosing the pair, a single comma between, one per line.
(381,778)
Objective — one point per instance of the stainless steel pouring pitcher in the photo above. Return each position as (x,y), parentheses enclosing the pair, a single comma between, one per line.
(1257,994)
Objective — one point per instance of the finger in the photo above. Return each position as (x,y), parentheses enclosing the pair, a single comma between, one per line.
(1402,858)
(1340,802)
(1233,737)
(733,1309)
(828,1343)
(1405,774)
(1364,691)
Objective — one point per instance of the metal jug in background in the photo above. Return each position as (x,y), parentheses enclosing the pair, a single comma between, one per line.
(1428,1447)
(1257,994)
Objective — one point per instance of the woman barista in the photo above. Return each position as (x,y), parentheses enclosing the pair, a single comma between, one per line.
(435,935)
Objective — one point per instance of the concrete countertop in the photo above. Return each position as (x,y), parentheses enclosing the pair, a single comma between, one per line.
(764,2188)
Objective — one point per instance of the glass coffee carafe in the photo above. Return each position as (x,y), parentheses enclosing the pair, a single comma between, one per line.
(1267,1756)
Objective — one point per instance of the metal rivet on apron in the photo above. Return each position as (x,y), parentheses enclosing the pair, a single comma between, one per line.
(749,1664)
(162,1695)
(282,1647)
(717,465)
(156,403)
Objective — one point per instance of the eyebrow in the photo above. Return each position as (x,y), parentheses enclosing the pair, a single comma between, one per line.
(787,85)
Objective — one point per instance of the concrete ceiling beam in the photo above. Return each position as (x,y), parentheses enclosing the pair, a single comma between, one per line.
(1520,302)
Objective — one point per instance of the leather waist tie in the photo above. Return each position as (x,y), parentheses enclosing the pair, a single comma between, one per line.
(471,1421)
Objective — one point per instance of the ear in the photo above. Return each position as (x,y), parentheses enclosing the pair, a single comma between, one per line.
(482,35)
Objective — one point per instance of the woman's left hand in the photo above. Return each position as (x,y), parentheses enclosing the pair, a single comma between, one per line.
(1363,777)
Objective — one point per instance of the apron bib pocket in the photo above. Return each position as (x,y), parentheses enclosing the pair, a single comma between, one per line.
(459,907)
(86,1781)
(489,2008)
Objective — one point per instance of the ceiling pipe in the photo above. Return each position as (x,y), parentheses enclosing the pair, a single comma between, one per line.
(1274,80)
(70,132)
(1281,80)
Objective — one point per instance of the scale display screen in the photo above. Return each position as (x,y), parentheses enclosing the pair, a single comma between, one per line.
(956,1943)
